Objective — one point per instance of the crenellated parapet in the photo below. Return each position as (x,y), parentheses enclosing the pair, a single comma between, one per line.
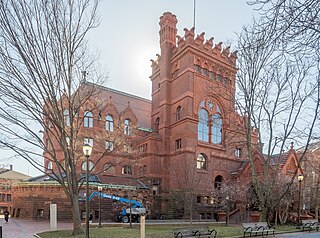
(207,46)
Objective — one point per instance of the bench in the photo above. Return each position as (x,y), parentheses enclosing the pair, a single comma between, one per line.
(203,232)
(310,224)
(257,228)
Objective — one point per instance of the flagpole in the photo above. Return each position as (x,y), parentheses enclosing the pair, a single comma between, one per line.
(194,13)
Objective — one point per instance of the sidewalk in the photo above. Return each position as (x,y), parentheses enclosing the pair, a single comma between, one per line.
(17,228)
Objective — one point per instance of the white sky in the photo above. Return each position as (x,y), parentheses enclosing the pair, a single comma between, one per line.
(128,38)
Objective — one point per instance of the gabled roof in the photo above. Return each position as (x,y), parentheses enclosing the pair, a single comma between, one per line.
(12,175)
(140,106)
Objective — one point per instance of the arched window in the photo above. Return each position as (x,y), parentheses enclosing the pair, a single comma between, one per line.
(127,169)
(88,119)
(216,129)
(201,162)
(109,123)
(127,127)
(109,168)
(178,113)
(203,127)
(156,125)
(210,122)
(84,165)
(218,182)
(66,117)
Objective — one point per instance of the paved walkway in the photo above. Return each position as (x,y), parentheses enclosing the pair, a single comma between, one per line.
(26,229)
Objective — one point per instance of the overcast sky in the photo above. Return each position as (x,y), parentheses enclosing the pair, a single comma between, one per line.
(128,37)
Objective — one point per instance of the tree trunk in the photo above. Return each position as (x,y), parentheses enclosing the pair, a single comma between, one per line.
(76,218)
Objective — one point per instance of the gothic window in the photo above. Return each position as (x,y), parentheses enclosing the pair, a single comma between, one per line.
(88,119)
(203,127)
(216,129)
(210,122)
(201,162)
(156,125)
(127,127)
(127,169)
(99,116)
(66,117)
(109,123)
(178,113)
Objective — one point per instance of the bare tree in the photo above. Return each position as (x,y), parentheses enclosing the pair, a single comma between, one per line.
(43,61)
(276,92)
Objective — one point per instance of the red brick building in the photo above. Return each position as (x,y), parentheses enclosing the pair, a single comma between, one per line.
(185,142)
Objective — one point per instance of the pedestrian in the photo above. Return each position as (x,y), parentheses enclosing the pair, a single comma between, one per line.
(6,216)
(90,217)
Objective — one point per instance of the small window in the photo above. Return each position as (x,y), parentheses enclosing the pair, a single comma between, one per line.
(178,113)
(99,116)
(66,117)
(198,69)
(126,170)
(178,144)
(205,72)
(9,198)
(201,162)
(127,127)
(156,124)
(109,123)
(88,141)
(109,145)
(237,152)
(212,75)
(68,141)
(218,182)
(88,119)
(49,165)
(84,165)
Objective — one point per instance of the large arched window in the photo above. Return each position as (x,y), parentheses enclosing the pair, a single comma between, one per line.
(201,162)
(127,127)
(84,165)
(109,123)
(210,122)
(216,129)
(66,117)
(88,119)
(203,127)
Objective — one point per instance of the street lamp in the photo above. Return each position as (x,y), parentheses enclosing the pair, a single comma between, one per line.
(100,190)
(227,218)
(87,149)
(300,178)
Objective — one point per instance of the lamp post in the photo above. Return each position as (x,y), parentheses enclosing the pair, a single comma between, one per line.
(87,149)
(100,190)
(300,178)
(227,218)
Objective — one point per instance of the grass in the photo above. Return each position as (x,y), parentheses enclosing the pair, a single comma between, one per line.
(152,231)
